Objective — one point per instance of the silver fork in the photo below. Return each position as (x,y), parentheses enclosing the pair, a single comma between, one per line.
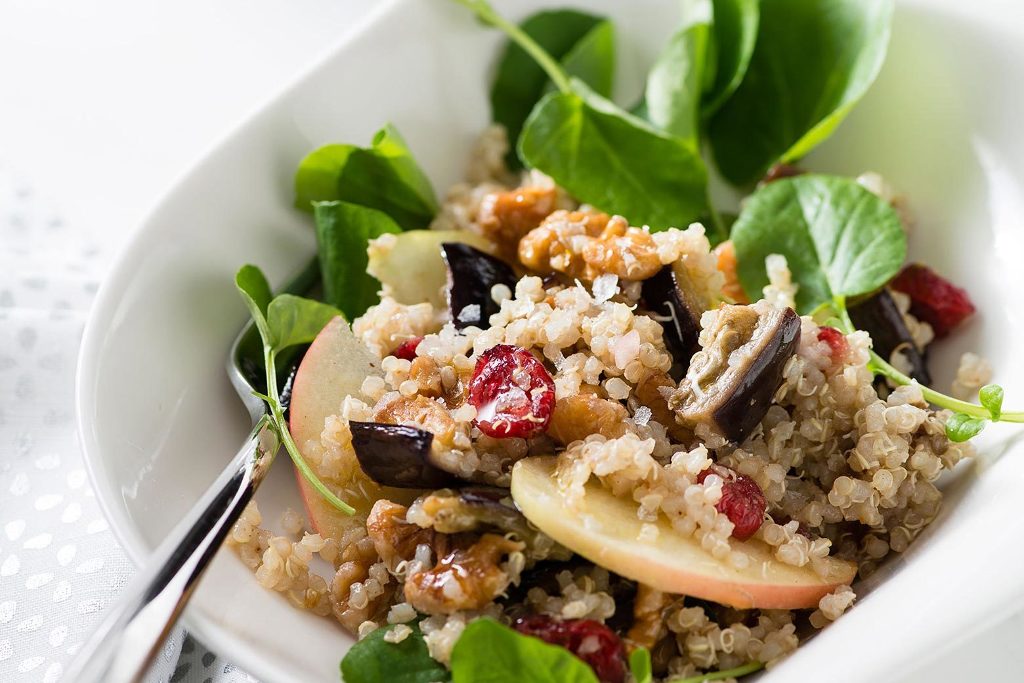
(133,630)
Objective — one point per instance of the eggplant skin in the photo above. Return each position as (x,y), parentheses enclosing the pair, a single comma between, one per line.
(486,496)
(879,316)
(663,296)
(752,394)
(730,393)
(397,456)
(471,275)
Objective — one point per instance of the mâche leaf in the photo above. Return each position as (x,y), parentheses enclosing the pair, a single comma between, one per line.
(317,177)
(583,43)
(812,63)
(384,176)
(488,652)
(374,660)
(342,232)
(255,289)
(249,354)
(286,308)
(293,320)
(734,33)
(839,239)
(613,160)
(601,154)
(675,84)
(592,59)
(961,427)
(991,397)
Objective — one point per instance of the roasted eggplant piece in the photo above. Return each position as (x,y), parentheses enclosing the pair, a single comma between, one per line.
(471,275)
(879,316)
(396,455)
(669,295)
(473,507)
(731,381)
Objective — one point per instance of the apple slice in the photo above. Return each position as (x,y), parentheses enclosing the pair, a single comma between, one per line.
(606,531)
(334,367)
(411,267)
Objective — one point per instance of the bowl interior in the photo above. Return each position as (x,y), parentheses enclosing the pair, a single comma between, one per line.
(159,419)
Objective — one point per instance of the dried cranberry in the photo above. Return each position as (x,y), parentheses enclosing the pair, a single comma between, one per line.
(742,501)
(836,341)
(933,298)
(590,640)
(407,349)
(512,392)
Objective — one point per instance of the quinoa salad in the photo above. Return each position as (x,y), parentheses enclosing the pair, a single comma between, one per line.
(548,426)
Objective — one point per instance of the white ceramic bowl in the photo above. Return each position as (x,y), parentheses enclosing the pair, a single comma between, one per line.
(158,418)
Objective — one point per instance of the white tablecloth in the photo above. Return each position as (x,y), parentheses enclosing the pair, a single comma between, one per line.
(59,563)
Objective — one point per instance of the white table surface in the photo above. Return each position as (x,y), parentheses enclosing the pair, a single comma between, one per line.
(102,105)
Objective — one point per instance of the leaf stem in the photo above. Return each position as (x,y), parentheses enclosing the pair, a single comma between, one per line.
(488,15)
(274,402)
(880,366)
(719,675)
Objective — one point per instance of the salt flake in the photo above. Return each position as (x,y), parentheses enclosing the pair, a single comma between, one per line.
(470,313)
(605,287)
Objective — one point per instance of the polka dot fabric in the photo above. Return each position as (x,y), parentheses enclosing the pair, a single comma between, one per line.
(59,563)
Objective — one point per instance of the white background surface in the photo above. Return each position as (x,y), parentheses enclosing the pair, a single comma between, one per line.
(102,105)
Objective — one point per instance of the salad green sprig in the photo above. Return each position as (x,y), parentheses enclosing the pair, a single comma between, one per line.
(968,419)
(812,63)
(584,46)
(488,15)
(841,241)
(383,176)
(729,63)
(285,321)
(723,674)
(599,153)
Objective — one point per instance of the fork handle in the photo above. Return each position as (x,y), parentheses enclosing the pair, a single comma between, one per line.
(133,630)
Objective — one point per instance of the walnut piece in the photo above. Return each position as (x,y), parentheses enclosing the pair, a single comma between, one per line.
(556,245)
(648,618)
(577,417)
(351,611)
(394,538)
(420,412)
(427,375)
(653,391)
(348,573)
(505,217)
(585,245)
(463,579)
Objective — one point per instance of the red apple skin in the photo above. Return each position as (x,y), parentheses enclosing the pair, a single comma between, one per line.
(606,531)
(334,367)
